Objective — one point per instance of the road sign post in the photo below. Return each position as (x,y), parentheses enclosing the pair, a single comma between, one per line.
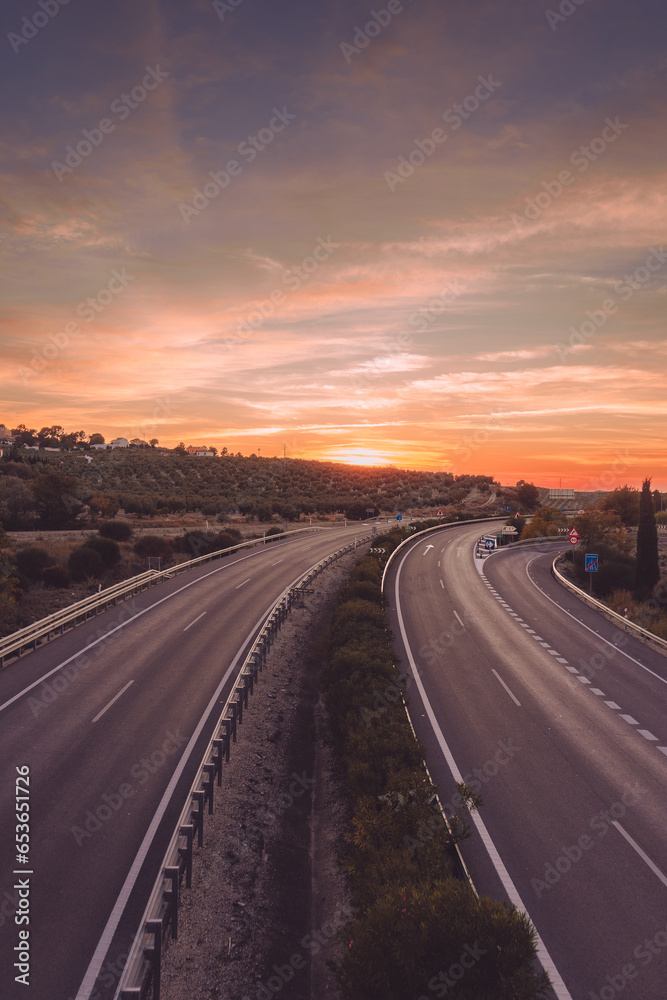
(573,536)
(591,566)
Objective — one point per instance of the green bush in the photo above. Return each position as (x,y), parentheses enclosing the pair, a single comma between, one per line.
(151,545)
(119,531)
(107,549)
(85,563)
(414,919)
(32,562)
(56,576)
(616,570)
(406,943)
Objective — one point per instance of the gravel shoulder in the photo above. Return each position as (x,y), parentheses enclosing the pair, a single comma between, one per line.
(267,896)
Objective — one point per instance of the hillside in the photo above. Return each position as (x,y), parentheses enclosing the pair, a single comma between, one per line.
(155,481)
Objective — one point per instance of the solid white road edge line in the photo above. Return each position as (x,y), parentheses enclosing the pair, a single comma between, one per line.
(100,714)
(104,943)
(560,989)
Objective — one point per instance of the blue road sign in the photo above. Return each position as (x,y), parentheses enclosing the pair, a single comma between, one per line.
(399,517)
(490,544)
(591,562)
(506,508)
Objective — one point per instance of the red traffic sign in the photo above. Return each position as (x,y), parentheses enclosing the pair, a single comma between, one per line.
(573,536)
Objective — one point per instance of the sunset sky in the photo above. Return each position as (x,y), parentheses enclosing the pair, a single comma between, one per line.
(435,237)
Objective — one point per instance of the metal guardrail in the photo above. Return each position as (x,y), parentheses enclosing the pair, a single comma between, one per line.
(648,638)
(140,979)
(55,624)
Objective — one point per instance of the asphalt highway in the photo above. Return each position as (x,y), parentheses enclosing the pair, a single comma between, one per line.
(559,720)
(111,720)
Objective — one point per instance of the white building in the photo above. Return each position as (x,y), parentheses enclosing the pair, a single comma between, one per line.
(120,443)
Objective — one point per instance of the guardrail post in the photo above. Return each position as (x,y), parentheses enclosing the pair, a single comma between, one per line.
(187,831)
(217,759)
(209,770)
(172,898)
(200,798)
(234,709)
(154,952)
(247,688)
(227,728)
(239,705)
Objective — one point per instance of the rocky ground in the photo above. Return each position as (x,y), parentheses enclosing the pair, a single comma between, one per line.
(267,898)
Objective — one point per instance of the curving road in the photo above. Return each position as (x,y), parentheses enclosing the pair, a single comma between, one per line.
(112,720)
(560,720)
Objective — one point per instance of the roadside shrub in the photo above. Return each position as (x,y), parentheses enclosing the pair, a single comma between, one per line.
(363,590)
(413,935)
(226,539)
(151,545)
(196,543)
(56,576)
(203,543)
(32,562)
(107,548)
(616,570)
(414,920)
(120,531)
(85,563)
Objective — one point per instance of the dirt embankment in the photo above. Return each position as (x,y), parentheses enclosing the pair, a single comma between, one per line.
(267,898)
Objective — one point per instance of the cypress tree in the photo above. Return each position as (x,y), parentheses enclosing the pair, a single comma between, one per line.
(647,569)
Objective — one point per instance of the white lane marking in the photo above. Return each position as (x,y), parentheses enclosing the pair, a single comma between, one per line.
(195,621)
(459,619)
(542,642)
(630,721)
(584,680)
(514,699)
(243,584)
(100,714)
(559,987)
(588,629)
(561,659)
(573,670)
(104,943)
(277,562)
(538,638)
(642,855)
(442,585)
(128,621)
(648,736)
(531,631)
(597,691)
(554,652)
(663,750)
(612,704)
